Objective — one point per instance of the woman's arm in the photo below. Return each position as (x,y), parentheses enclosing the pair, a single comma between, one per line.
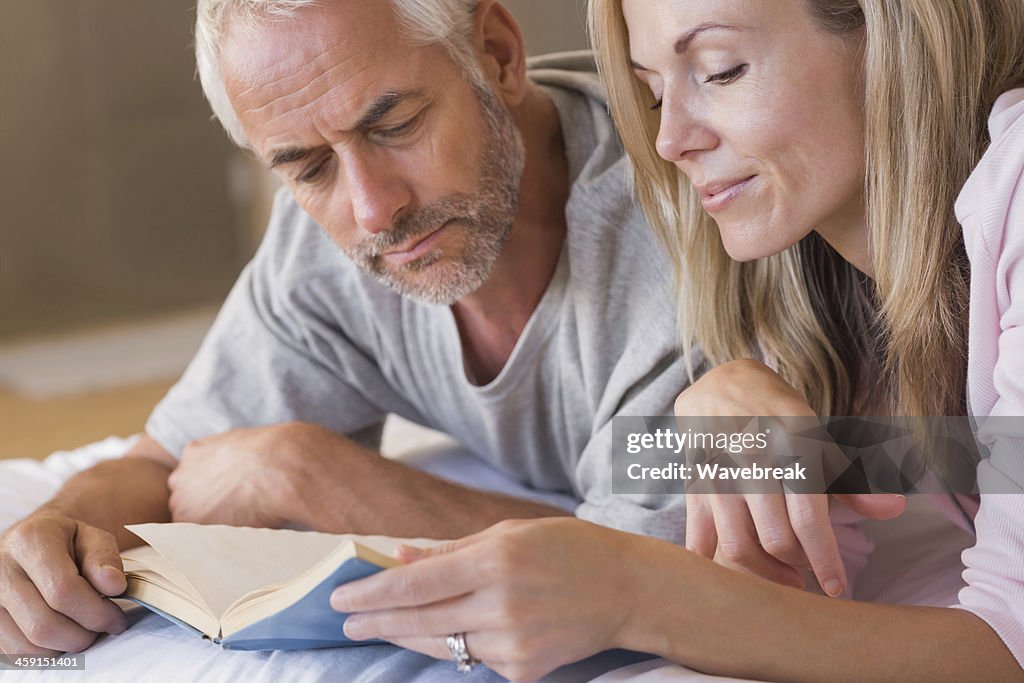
(533,596)
(773,535)
(722,622)
(991,210)
(768,631)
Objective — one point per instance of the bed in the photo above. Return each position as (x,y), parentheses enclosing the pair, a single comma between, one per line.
(916,561)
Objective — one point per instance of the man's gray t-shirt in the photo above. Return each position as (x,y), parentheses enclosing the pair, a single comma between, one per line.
(305,335)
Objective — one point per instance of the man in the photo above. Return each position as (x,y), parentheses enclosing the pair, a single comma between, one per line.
(499,285)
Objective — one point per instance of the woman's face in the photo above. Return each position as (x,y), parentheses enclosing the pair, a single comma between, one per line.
(761,109)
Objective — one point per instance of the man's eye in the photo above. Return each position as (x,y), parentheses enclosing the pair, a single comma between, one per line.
(399,130)
(726,77)
(313,173)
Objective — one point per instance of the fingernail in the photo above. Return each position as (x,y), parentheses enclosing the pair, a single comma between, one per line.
(339,599)
(832,587)
(354,628)
(110,568)
(119,628)
(410,552)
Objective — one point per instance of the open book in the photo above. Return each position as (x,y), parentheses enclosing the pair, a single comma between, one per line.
(252,589)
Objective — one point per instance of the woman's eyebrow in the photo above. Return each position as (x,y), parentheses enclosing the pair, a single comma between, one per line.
(682,44)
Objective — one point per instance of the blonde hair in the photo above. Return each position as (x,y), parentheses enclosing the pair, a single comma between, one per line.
(933,69)
(444,22)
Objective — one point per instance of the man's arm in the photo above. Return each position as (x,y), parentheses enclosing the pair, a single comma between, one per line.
(128,490)
(380,496)
(300,474)
(59,565)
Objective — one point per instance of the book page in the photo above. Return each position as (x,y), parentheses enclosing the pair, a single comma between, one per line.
(223,563)
(146,558)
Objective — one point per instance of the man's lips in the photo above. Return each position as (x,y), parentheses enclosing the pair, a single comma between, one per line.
(409,252)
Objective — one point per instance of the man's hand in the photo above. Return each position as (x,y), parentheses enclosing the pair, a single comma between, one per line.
(60,565)
(247,477)
(56,575)
(303,475)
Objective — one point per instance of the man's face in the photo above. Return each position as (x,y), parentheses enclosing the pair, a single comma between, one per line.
(410,169)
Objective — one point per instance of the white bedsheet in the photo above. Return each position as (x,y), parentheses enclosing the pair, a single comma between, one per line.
(916,562)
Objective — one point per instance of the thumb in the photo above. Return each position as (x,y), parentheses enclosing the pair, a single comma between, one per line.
(99,560)
(874,505)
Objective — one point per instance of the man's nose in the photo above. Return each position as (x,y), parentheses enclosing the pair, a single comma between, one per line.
(377,192)
(682,132)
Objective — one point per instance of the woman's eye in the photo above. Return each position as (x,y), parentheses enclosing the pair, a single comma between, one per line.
(726,77)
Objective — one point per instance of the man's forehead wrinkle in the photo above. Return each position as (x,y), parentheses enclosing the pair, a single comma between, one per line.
(258,84)
(270,44)
(311,48)
(283,120)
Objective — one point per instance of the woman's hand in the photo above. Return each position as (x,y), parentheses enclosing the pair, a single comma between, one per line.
(769,535)
(529,595)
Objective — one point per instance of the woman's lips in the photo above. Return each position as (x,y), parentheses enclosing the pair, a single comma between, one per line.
(716,196)
(403,256)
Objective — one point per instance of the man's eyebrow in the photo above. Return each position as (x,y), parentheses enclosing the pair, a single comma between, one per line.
(683,43)
(290,155)
(384,104)
(380,108)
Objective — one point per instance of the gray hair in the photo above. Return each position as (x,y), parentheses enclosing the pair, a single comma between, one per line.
(428,22)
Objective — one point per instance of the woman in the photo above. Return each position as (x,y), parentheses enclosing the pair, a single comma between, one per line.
(801,160)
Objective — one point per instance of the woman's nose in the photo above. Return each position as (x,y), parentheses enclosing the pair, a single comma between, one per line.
(682,132)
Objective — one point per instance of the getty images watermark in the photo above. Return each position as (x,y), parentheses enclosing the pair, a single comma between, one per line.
(802,454)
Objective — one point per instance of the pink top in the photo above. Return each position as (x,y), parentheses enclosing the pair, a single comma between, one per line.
(991,210)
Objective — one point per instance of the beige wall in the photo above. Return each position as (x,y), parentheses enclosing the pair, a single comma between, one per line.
(551,25)
(119,196)
(113,182)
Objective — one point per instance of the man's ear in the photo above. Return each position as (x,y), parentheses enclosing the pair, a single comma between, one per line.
(500,48)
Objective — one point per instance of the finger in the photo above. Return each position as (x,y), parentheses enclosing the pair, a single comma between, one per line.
(197,444)
(53,574)
(14,642)
(192,452)
(99,560)
(701,536)
(412,553)
(451,616)
(41,625)
(771,520)
(739,545)
(431,646)
(438,578)
(479,645)
(808,514)
(173,478)
(874,505)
